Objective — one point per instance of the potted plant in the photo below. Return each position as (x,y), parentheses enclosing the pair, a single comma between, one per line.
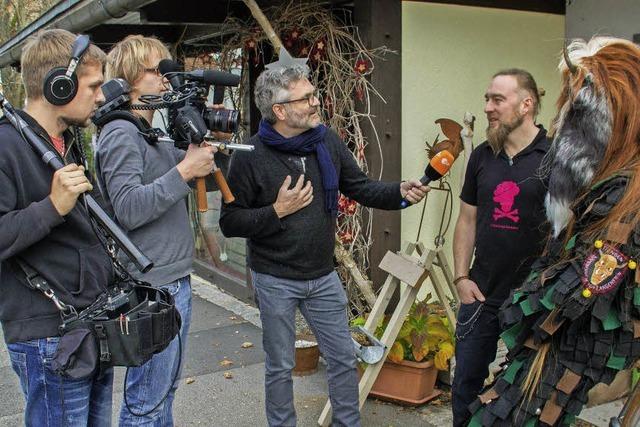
(424,345)
(307,355)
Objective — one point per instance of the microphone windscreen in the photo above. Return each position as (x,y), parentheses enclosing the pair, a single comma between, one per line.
(439,165)
(168,66)
(216,77)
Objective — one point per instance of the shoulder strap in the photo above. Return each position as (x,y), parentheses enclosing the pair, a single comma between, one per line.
(38,283)
(148,133)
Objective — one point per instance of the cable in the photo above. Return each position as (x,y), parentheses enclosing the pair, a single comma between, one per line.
(173,382)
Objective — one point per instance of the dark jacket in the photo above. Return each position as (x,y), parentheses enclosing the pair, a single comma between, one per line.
(299,246)
(64,250)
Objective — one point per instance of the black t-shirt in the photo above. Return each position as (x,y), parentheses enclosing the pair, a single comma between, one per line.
(511,225)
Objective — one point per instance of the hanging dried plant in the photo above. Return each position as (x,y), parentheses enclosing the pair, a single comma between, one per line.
(340,64)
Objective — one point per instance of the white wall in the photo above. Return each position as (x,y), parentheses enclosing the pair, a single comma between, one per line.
(449,54)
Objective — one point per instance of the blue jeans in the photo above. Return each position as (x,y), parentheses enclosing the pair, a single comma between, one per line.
(52,400)
(477,334)
(323,303)
(147,385)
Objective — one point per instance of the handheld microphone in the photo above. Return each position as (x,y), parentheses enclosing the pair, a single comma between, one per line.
(438,166)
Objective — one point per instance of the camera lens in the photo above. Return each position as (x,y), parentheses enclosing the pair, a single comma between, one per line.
(222,120)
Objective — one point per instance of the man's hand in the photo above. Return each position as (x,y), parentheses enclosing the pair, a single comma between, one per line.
(469,292)
(198,162)
(413,191)
(292,200)
(67,185)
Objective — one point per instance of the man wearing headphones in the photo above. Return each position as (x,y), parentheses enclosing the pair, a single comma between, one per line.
(43,226)
(145,185)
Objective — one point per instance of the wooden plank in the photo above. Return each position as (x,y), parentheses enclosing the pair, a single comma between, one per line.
(382,302)
(404,269)
(391,332)
(376,315)
(385,295)
(442,296)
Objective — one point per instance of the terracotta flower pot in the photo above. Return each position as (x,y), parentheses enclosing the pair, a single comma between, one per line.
(307,355)
(406,382)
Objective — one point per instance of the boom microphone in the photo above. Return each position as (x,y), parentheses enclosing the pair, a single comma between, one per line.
(213,77)
(210,77)
(168,66)
(436,169)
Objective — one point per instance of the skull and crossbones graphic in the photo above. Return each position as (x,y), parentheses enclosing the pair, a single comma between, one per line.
(505,194)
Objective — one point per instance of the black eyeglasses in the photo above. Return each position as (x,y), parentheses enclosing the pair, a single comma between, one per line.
(309,98)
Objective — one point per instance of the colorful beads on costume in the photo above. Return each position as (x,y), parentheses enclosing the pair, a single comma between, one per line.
(598,244)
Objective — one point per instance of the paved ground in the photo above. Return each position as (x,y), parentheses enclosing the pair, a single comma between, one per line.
(207,398)
(220,325)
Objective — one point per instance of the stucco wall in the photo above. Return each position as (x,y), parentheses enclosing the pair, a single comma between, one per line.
(586,18)
(449,54)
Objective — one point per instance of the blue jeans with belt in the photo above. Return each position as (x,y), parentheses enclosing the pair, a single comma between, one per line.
(52,400)
(147,385)
(323,303)
(477,335)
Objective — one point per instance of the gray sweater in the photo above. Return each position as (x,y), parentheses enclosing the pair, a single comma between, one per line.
(146,194)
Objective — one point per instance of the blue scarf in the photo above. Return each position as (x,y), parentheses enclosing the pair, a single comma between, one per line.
(310,141)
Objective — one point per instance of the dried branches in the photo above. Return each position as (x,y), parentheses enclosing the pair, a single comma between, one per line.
(340,64)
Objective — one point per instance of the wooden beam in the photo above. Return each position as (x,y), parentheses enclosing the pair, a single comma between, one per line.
(556,7)
(380,24)
(192,11)
(403,268)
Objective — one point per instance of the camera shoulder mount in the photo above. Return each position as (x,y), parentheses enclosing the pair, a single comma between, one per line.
(149,133)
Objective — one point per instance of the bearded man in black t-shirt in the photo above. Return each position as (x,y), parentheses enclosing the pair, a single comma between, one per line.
(502,218)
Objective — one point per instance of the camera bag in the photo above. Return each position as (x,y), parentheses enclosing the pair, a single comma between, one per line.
(124,326)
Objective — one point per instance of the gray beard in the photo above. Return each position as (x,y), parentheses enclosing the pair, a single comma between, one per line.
(498,136)
(584,130)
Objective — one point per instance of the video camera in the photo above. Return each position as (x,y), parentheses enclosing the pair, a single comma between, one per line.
(190,118)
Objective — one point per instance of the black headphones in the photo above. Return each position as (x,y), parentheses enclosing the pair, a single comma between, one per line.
(60,83)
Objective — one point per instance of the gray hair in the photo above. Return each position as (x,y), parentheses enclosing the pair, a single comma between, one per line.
(272,86)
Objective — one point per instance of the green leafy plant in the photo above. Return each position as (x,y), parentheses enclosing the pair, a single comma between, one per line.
(425,335)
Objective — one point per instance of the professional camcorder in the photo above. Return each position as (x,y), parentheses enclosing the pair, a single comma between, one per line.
(190,118)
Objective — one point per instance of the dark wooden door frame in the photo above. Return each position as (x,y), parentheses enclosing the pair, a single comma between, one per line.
(379,23)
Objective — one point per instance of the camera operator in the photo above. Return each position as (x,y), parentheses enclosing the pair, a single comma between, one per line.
(291,233)
(43,226)
(145,186)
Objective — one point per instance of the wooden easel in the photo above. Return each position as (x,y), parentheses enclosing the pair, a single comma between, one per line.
(409,272)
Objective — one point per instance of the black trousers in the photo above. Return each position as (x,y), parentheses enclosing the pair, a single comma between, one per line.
(477,334)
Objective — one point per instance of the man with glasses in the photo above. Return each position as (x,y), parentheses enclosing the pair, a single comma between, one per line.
(145,186)
(291,233)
